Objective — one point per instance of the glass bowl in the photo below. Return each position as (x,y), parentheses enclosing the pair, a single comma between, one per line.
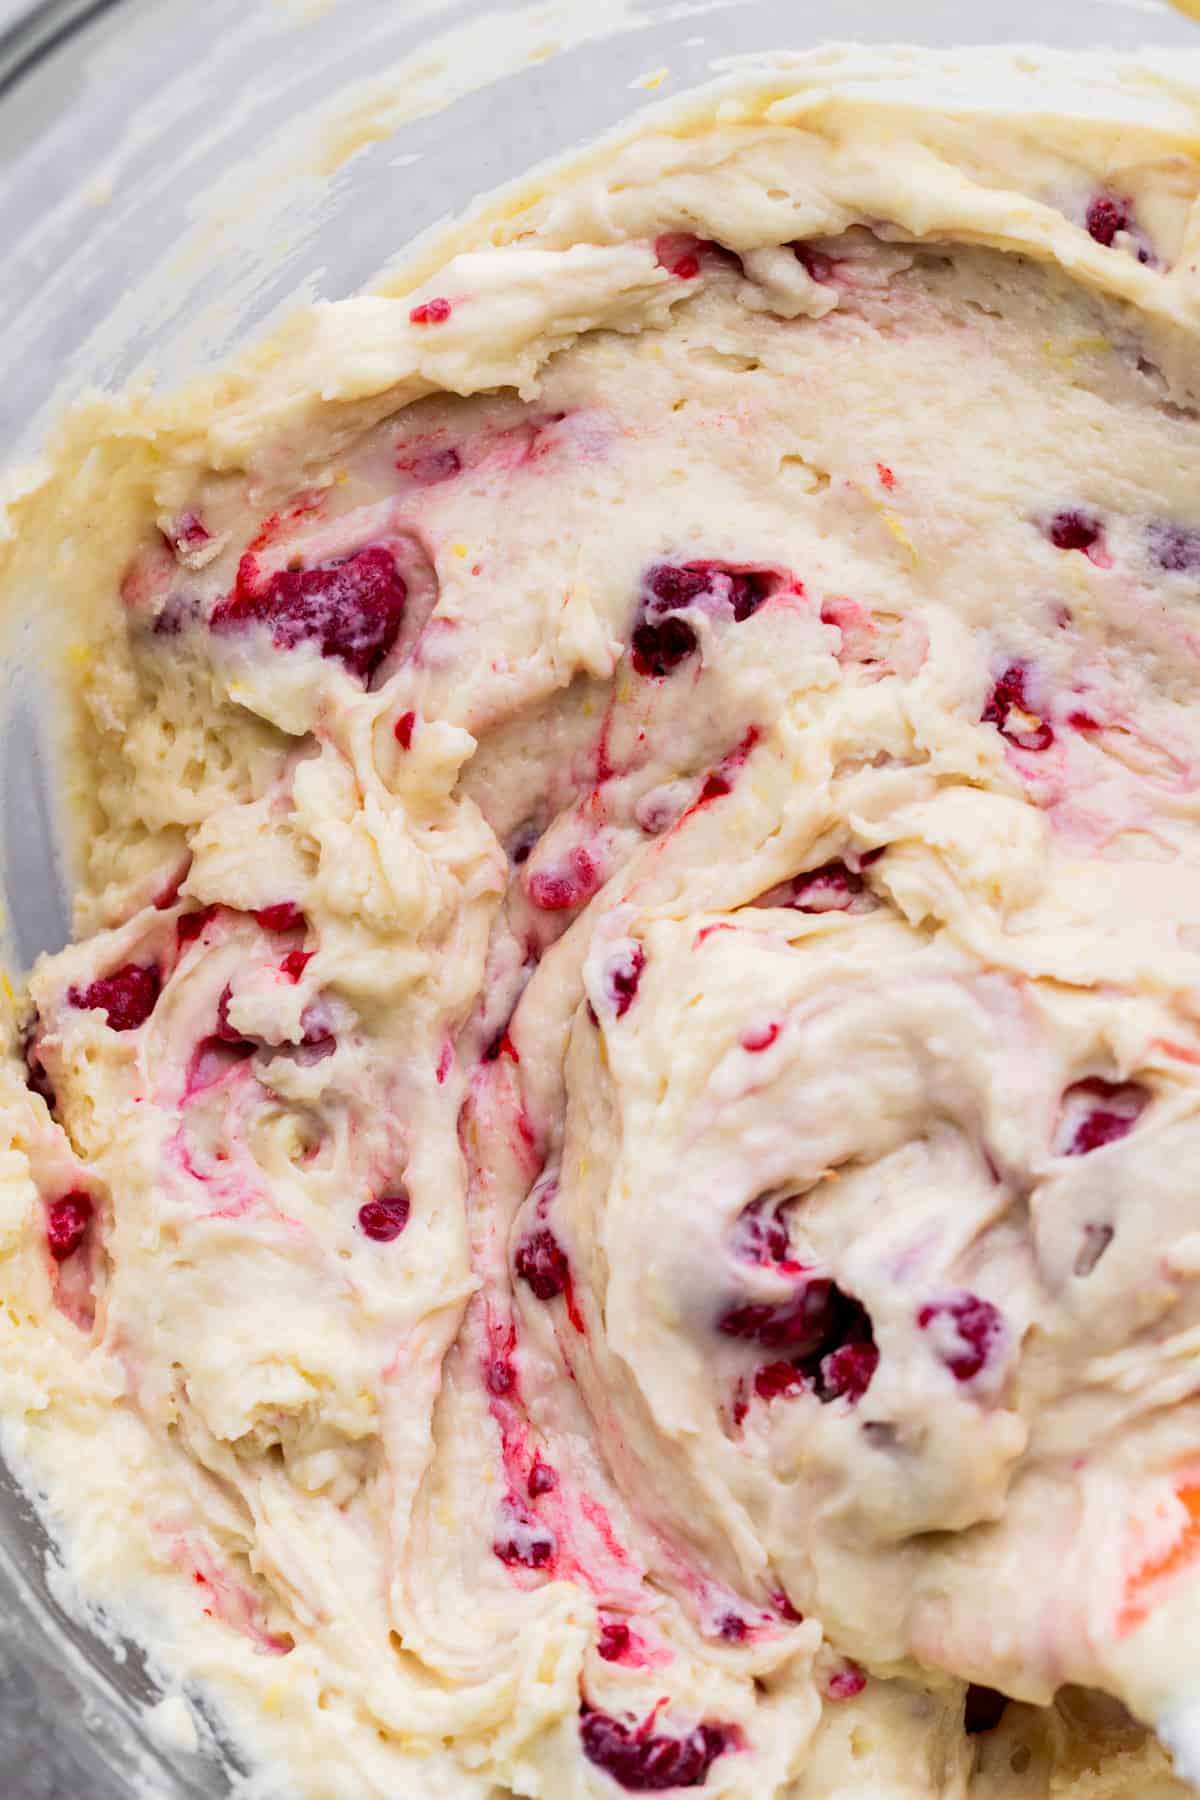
(179,173)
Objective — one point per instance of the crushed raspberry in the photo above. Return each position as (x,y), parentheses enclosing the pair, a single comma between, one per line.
(1028,731)
(542,1265)
(748,589)
(837,1363)
(647,1762)
(677,585)
(971,1329)
(773,1380)
(887,477)
(67,1222)
(404,729)
(719,781)
(431,312)
(127,997)
(760,1038)
(500,1376)
(1075,530)
(983,1709)
(1175,548)
(570,884)
(533,1552)
(350,609)
(622,977)
(673,586)
(817,266)
(285,915)
(384,1219)
(798,1325)
(613,1641)
(522,1539)
(661,640)
(732,1628)
(1121,1104)
(660,646)
(846,1372)
(1105,217)
(846,1682)
(295,963)
(542,1480)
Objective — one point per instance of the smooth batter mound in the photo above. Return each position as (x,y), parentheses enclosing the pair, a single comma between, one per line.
(610,1192)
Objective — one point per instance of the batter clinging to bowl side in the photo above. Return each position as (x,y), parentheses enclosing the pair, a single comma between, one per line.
(608,1193)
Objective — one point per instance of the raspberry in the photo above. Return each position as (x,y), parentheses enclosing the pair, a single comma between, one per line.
(648,1762)
(127,997)
(431,312)
(67,1222)
(284,915)
(978,1326)
(659,648)
(1008,697)
(383,1220)
(613,1642)
(351,610)
(622,977)
(1105,217)
(1074,530)
(542,1265)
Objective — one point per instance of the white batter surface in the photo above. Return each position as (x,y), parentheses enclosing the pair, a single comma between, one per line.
(610,1191)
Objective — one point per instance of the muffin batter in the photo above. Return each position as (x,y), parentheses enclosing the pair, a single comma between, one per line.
(606,1198)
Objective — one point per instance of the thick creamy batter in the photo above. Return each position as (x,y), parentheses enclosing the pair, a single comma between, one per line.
(608,1193)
